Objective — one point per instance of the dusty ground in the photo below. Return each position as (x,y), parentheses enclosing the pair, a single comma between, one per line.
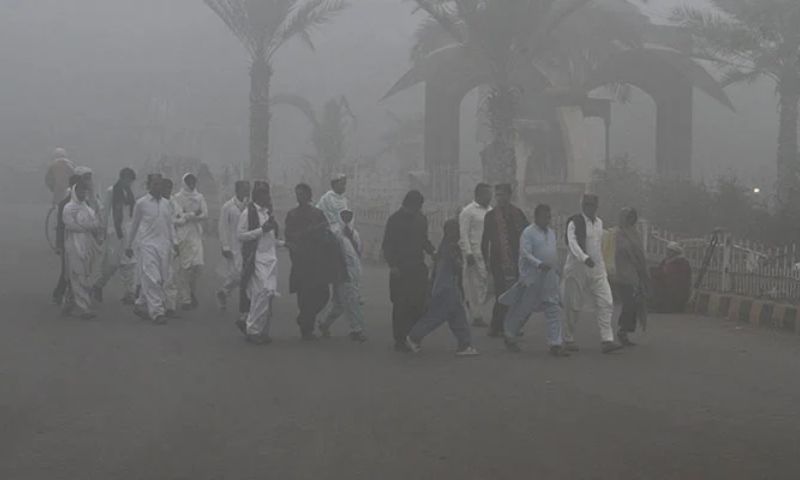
(120,399)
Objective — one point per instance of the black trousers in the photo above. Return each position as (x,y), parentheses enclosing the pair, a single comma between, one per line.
(405,315)
(501,284)
(409,294)
(630,306)
(311,300)
(61,287)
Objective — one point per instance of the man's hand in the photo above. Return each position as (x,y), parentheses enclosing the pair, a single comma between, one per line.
(129,253)
(471,260)
(590,263)
(545,267)
(227,254)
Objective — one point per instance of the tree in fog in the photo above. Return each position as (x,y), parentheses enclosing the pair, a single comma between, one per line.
(263,27)
(498,37)
(754,39)
(329,131)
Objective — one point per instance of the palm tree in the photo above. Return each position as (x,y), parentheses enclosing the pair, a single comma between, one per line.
(750,40)
(263,27)
(329,131)
(498,38)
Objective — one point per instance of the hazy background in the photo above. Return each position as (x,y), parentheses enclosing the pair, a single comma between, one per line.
(118,81)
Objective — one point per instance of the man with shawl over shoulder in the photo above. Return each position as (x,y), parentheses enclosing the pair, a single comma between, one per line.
(231,248)
(189,229)
(81,247)
(503,226)
(632,278)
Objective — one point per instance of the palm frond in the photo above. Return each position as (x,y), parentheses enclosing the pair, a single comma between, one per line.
(234,14)
(444,16)
(734,76)
(304,19)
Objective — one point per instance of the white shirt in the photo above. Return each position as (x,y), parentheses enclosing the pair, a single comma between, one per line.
(594,247)
(471,222)
(229,223)
(266,241)
(152,223)
(332,205)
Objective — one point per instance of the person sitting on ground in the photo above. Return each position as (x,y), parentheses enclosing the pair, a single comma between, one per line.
(447,296)
(672,281)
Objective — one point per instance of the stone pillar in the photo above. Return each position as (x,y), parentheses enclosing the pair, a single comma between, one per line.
(674,130)
(442,141)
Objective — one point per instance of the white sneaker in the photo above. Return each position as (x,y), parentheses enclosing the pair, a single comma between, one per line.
(468,352)
(415,347)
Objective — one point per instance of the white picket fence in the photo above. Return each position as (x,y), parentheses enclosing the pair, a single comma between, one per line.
(735,266)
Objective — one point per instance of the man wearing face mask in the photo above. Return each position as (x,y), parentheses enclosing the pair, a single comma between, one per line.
(231,248)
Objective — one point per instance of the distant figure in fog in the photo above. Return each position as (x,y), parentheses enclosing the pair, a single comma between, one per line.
(586,284)
(405,243)
(317,260)
(63,278)
(447,297)
(672,281)
(171,282)
(258,232)
(503,226)
(81,249)
(59,172)
(116,219)
(334,202)
(189,229)
(347,293)
(632,278)
(471,221)
(538,288)
(152,236)
(231,248)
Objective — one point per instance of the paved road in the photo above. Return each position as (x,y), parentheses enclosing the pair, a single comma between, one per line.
(121,399)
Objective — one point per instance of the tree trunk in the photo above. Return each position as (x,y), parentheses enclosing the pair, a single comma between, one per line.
(260,78)
(787,144)
(499,157)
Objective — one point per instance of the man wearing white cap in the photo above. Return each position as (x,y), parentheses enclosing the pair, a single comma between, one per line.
(335,202)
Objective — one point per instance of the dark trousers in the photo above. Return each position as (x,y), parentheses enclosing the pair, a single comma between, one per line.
(311,300)
(409,295)
(501,284)
(61,287)
(630,307)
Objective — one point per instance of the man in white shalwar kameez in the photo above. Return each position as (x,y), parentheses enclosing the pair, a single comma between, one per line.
(347,294)
(231,248)
(189,229)
(334,202)
(153,234)
(586,286)
(82,229)
(119,202)
(476,275)
(171,285)
(257,232)
(92,197)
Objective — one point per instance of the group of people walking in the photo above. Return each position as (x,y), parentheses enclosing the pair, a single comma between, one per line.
(495,249)
(156,246)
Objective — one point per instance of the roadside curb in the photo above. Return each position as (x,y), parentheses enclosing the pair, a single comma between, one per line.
(758,313)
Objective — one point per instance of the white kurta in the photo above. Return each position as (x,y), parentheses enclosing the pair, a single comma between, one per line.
(471,222)
(347,295)
(80,248)
(263,284)
(152,236)
(587,289)
(171,284)
(228,226)
(189,228)
(332,205)
(114,258)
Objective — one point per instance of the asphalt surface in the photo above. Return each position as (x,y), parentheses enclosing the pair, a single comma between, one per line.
(118,398)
